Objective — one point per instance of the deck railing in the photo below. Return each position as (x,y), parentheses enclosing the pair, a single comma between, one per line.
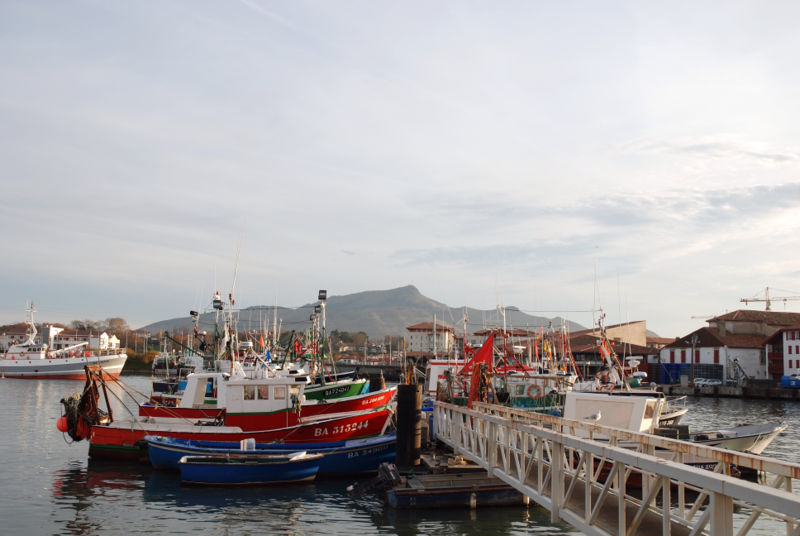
(604,480)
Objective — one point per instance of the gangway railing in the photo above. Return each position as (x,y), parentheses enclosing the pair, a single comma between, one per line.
(605,480)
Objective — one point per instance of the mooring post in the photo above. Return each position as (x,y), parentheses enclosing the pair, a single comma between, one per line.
(409,425)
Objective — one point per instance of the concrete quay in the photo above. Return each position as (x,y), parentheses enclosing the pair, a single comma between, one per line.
(725,391)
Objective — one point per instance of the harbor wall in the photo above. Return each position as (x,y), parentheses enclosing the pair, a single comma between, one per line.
(724,391)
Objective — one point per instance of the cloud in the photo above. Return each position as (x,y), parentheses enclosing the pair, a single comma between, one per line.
(716,150)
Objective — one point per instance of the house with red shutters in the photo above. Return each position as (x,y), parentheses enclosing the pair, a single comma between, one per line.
(735,344)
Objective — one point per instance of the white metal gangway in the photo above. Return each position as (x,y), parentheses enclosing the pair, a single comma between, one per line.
(611,481)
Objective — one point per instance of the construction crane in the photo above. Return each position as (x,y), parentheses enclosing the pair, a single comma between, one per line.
(767,299)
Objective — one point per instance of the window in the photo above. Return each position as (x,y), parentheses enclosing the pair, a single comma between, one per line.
(683,356)
(249,392)
(790,350)
(280,393)
(263,392)
(716,356)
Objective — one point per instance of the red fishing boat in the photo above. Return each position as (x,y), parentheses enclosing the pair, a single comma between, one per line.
(215,407)
(266,409)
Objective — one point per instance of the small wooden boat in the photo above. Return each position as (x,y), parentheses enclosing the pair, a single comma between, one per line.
(249,468)
(339,457)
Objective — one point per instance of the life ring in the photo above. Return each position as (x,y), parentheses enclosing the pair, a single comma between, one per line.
(534,391)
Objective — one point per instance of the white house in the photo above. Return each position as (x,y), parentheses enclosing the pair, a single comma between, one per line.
(783,352)
(96,340)
(719,356)
(424,338)
(736,339)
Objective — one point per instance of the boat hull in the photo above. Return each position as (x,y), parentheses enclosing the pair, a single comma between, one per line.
(339,389)
(248,469)
(750,438)
(61,368)
(121,439)
(342,457)
(362,402)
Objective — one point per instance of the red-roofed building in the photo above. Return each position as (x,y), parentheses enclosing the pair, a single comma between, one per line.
(736,343)
(783,352)
(425,340)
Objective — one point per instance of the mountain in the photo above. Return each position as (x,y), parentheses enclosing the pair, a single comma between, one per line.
(375,312)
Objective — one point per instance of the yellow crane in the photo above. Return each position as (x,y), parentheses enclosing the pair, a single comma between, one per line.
(769,299)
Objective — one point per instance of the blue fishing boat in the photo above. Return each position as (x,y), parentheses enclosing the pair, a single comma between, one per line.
(246,468)
(339,457)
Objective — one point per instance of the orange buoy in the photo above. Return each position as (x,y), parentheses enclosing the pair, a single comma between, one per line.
(61,424)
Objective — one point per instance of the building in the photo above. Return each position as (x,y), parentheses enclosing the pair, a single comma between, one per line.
(430,339)
(733,345)
(659,342)
(57,338)
(716,356)
(13,335)
(93,339)
(783,353)
(629,341)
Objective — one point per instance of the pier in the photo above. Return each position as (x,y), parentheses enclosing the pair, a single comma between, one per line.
(607,481)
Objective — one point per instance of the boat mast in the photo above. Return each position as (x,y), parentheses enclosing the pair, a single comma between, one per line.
(31,330)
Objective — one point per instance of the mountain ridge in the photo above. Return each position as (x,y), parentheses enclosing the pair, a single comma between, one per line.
(376,312)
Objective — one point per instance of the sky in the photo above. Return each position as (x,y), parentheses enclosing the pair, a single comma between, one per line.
(560,157)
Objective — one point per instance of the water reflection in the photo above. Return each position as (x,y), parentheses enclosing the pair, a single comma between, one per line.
(494,520)
(83,490)
(714,413)
(50,488)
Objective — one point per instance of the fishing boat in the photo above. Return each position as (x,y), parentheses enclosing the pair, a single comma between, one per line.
(505,376)
(642,414)
(304,361)
(204,395)
(340,457)
(249,468)
(35,360)
(266,409)
(751,438)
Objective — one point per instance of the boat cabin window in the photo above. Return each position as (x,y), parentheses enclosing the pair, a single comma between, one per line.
(650,409)
(258,392)
(280,393)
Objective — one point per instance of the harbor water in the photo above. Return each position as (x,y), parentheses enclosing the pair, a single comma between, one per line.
(48,486)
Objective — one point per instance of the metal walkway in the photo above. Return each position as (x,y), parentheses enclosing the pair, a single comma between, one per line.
(611,481)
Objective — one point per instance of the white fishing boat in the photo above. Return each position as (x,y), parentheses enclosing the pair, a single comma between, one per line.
(751,438)
(32,359)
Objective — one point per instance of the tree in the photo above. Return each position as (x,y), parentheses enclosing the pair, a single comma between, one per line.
(85,325)
(360,339)
(117,326)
